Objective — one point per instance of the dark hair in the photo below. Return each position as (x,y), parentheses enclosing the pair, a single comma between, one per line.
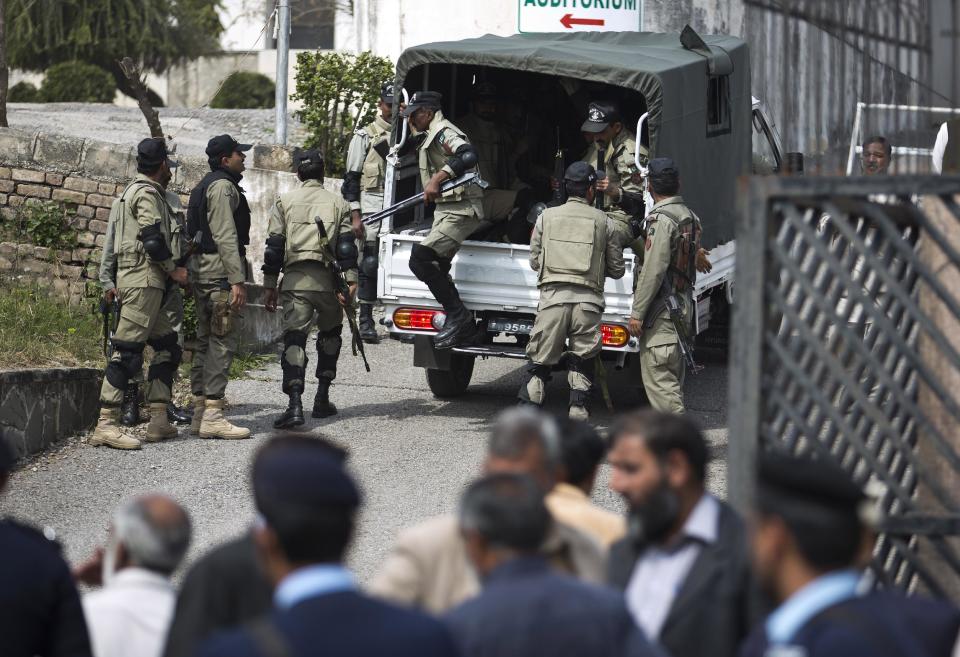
(578,189)
(665,184)
(582,449)
(148,169)
(664,433)
(216,162)
(828,538)
(507,510)
(309,170)
(883,141)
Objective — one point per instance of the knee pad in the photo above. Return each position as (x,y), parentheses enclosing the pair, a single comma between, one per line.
(423,262)
(329,342)
(368,265)
(293,340)
(574,363)
(127,364)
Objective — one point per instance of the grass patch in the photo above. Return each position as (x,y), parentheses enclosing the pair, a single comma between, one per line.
(243,362)
(40,330)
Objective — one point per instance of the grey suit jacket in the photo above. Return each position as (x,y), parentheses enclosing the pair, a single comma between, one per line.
(715,607)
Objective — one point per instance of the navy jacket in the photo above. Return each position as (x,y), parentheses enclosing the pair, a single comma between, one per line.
(527,609)
(876,625)
(40,612)
(345,623)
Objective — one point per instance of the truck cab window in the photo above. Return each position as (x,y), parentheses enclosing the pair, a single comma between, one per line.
(718,105)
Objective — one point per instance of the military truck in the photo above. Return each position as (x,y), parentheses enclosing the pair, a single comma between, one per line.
(688,98)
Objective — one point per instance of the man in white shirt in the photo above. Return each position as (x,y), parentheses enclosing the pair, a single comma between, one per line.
(131,614)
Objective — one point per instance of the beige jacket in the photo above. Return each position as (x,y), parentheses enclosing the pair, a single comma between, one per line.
(428,567)
(571,506)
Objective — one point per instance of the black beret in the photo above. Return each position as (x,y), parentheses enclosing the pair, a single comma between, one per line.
(663,166)
(224,145)
(580,172)
(311,155)
(428,99)
(783,479)
(599,116)
(152,153)
(303,476)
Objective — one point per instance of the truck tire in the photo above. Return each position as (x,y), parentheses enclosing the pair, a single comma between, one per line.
(447,384)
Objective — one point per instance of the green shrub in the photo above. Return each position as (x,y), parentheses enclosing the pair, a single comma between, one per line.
(245,90)
(23,92)
(335,88)
(77,82)
(44,223)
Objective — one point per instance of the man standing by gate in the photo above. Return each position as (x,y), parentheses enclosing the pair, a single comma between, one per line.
(663,287)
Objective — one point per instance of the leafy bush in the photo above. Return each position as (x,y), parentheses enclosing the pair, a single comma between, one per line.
(45,223)
(334,88)
(77,82)
(23,92)
(245,90)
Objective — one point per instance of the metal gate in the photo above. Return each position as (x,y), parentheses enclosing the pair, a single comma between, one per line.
(846,343)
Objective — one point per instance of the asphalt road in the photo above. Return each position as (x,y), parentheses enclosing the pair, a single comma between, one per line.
(412,453)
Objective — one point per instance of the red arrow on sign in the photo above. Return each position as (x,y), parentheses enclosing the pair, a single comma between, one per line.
(568,21)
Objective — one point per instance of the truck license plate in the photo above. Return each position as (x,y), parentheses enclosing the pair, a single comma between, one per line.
(502,325)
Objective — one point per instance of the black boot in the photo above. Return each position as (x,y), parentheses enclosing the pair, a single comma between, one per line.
(293,416)
(458,330)
(130,408)
(321,403)
(368,330)
(178,415)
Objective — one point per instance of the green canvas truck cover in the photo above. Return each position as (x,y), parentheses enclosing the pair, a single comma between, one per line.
(672,79)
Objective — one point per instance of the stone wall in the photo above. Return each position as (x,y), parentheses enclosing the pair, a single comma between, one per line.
(39,407)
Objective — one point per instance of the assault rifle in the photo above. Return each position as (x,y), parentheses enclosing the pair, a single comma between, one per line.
(110,310)
(469,178)
(559,194)
(601,172)
(676,316)
(341,288)
(192,247)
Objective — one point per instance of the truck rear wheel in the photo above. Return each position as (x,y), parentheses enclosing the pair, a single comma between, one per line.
(447,384)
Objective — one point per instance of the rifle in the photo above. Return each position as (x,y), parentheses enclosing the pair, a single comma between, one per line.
(558,195)
(470,178)
(342,288)
(111,318)
(192,247)
(598,202)
(676,316)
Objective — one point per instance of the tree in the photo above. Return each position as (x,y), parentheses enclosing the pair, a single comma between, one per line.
(154,33)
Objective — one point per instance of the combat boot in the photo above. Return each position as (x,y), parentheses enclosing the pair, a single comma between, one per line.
(293,416)
(178,415)
(130,409)
(458,330)
(159,427)
(108,432)
(214,425)
(368,330)
(199,404)
(322,407)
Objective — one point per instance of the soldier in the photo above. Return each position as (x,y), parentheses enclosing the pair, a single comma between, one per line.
(144,244)
(605,131)
(363,188)
(296,247)
(444,153)
(219,210)
(666,267)
(574,248)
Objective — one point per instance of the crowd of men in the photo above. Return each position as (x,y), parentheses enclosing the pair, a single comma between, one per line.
(527,566)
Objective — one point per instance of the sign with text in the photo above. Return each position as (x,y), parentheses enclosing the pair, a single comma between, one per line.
(578,15)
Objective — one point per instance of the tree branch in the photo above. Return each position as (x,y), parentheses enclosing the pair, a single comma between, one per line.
(132,73)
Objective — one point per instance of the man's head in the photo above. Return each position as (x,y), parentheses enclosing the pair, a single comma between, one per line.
(663,177)
(583,450)
(603,122)
(659,463)
(225,152)
(525,441)
(310,165)
(153,160)
(151,532)
(806,522)
(580,180)
(485,97)
(876,156)
(385,104)
(307,504)
(502,516)
(422,108)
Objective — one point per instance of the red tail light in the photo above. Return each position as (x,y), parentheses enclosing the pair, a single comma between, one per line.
(614,335)
(418,319)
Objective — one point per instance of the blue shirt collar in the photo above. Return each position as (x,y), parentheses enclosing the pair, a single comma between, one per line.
(825,591)
(310,582)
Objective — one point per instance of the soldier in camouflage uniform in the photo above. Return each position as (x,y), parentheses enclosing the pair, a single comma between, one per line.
(604,128)
(574,249)
(145,245)
(296,248)
(444,153)
(219,211)
(666,265)
(363,189)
